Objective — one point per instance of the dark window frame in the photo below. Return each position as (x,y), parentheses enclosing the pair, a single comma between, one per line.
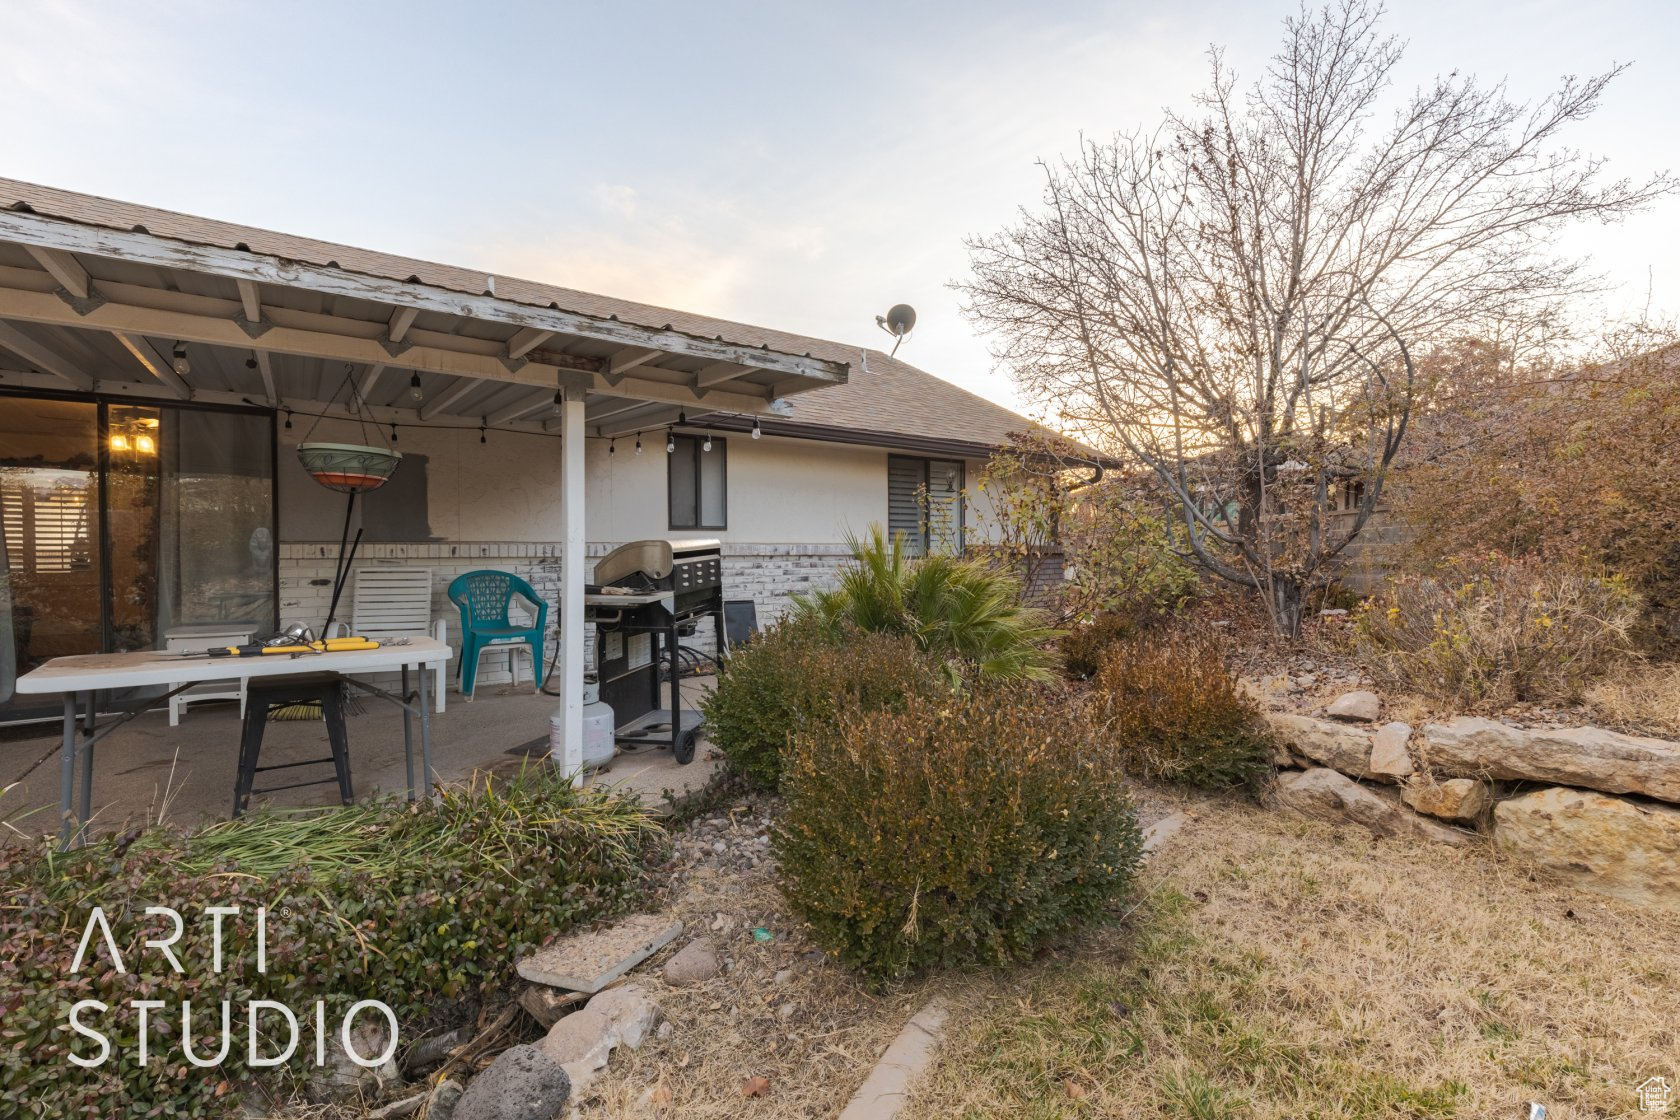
(689,447)
(923,545)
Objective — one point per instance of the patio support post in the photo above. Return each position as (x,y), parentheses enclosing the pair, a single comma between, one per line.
(571,651)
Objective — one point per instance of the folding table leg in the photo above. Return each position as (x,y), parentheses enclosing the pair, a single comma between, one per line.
(89,720)
(425,732)
(408,728)
(67,772)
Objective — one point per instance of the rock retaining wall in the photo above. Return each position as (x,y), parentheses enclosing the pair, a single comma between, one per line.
(1604,817)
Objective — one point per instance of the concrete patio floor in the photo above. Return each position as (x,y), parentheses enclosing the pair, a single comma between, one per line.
(185,774)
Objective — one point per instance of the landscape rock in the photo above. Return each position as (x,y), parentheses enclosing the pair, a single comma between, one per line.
(1336,745)
(590,960)
(1611,845)
(522,1083)
(695,963)
(583,1037)
(1390,756)
(446,1098)
(631,1012)
(1357,707)
(1588,757)
(342,1078)
(1456,799)
(1327,794)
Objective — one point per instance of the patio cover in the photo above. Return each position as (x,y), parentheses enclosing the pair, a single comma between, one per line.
(96,294)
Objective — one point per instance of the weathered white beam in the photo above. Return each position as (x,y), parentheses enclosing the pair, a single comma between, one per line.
(520,408)
(42,358)
(41,307)
(526,340)
(161,252)
(719,372)
(265,367)
(439,404)
(631,358)
(658,416)
(369,380)
(250,299)
(64,268)
(616,409)
(401,319)
(154,364)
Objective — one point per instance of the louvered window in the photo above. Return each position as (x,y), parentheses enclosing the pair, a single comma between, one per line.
(47,530)
(925,504)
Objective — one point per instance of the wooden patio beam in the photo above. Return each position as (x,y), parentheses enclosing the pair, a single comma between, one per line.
(152,363)
(43,358)
(42,307)
(35,230)
(65,268)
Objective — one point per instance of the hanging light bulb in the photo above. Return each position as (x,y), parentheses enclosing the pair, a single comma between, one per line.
(707,446)
(559,399)
(393,432)
(682,415)
(482,437)
(638,443)
(288,418)
(612,447)
(756,432)
(182,366)
(415,393)
(670,443)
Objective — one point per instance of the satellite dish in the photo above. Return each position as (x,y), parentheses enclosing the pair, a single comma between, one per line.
(898,322)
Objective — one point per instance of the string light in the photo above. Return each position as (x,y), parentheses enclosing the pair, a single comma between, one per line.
(559,399)
(756,432)
(393,432)
(670,442)
(482,438)
(682,415)
(612,447)
(707,446)
(288,419)
(638,443)
(414,390)
(180,363)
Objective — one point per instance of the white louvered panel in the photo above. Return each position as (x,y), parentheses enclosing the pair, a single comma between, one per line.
(392,602)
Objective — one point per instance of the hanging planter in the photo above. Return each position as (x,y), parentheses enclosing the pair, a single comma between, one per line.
(349,468)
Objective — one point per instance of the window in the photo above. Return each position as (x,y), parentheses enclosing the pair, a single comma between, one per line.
(698,483)
(925,504)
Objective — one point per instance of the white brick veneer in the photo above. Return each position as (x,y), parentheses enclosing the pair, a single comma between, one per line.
(765,573)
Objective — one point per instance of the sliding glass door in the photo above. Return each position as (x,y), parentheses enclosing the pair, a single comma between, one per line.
(122,521)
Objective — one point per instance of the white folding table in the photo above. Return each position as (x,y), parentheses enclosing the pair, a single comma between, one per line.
(81,677)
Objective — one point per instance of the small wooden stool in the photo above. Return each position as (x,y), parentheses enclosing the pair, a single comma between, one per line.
(267,693)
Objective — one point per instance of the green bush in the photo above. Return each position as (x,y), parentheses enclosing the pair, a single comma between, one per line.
(1173,712)
(968,830)
(1490,631)
(794,676)
(425,908)
(962,611)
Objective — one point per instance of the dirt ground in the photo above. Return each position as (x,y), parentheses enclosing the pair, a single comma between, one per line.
(1279,968)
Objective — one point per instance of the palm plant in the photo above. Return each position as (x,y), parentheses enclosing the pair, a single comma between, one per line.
(959,610)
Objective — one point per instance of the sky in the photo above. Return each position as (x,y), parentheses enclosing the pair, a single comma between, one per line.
(796,165)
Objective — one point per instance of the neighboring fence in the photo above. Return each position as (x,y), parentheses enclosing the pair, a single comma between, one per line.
(1374,554)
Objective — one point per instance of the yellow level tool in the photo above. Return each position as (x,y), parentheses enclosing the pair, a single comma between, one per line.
(257,649)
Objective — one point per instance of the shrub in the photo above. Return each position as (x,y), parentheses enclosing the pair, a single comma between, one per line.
(794,676)
(1086,644)
(1496,630)
(1170,706)
(425,908)
(964,830)
(961,611)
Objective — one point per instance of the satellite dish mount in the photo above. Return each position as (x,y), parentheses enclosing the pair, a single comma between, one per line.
(898,322)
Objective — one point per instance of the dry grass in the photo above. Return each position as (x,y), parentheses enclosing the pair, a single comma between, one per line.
(1282,969)
(1641,698)
(732,1028)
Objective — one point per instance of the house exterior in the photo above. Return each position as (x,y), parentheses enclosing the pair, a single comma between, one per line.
(158,371)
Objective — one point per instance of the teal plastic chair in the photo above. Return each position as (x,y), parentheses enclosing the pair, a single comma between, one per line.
(483,598)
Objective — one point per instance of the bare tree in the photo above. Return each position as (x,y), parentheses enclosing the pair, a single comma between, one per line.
(1238,297)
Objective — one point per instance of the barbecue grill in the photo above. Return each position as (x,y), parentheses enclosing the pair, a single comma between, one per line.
(647,595)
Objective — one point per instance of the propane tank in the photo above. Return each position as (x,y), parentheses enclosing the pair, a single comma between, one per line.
(599,745)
